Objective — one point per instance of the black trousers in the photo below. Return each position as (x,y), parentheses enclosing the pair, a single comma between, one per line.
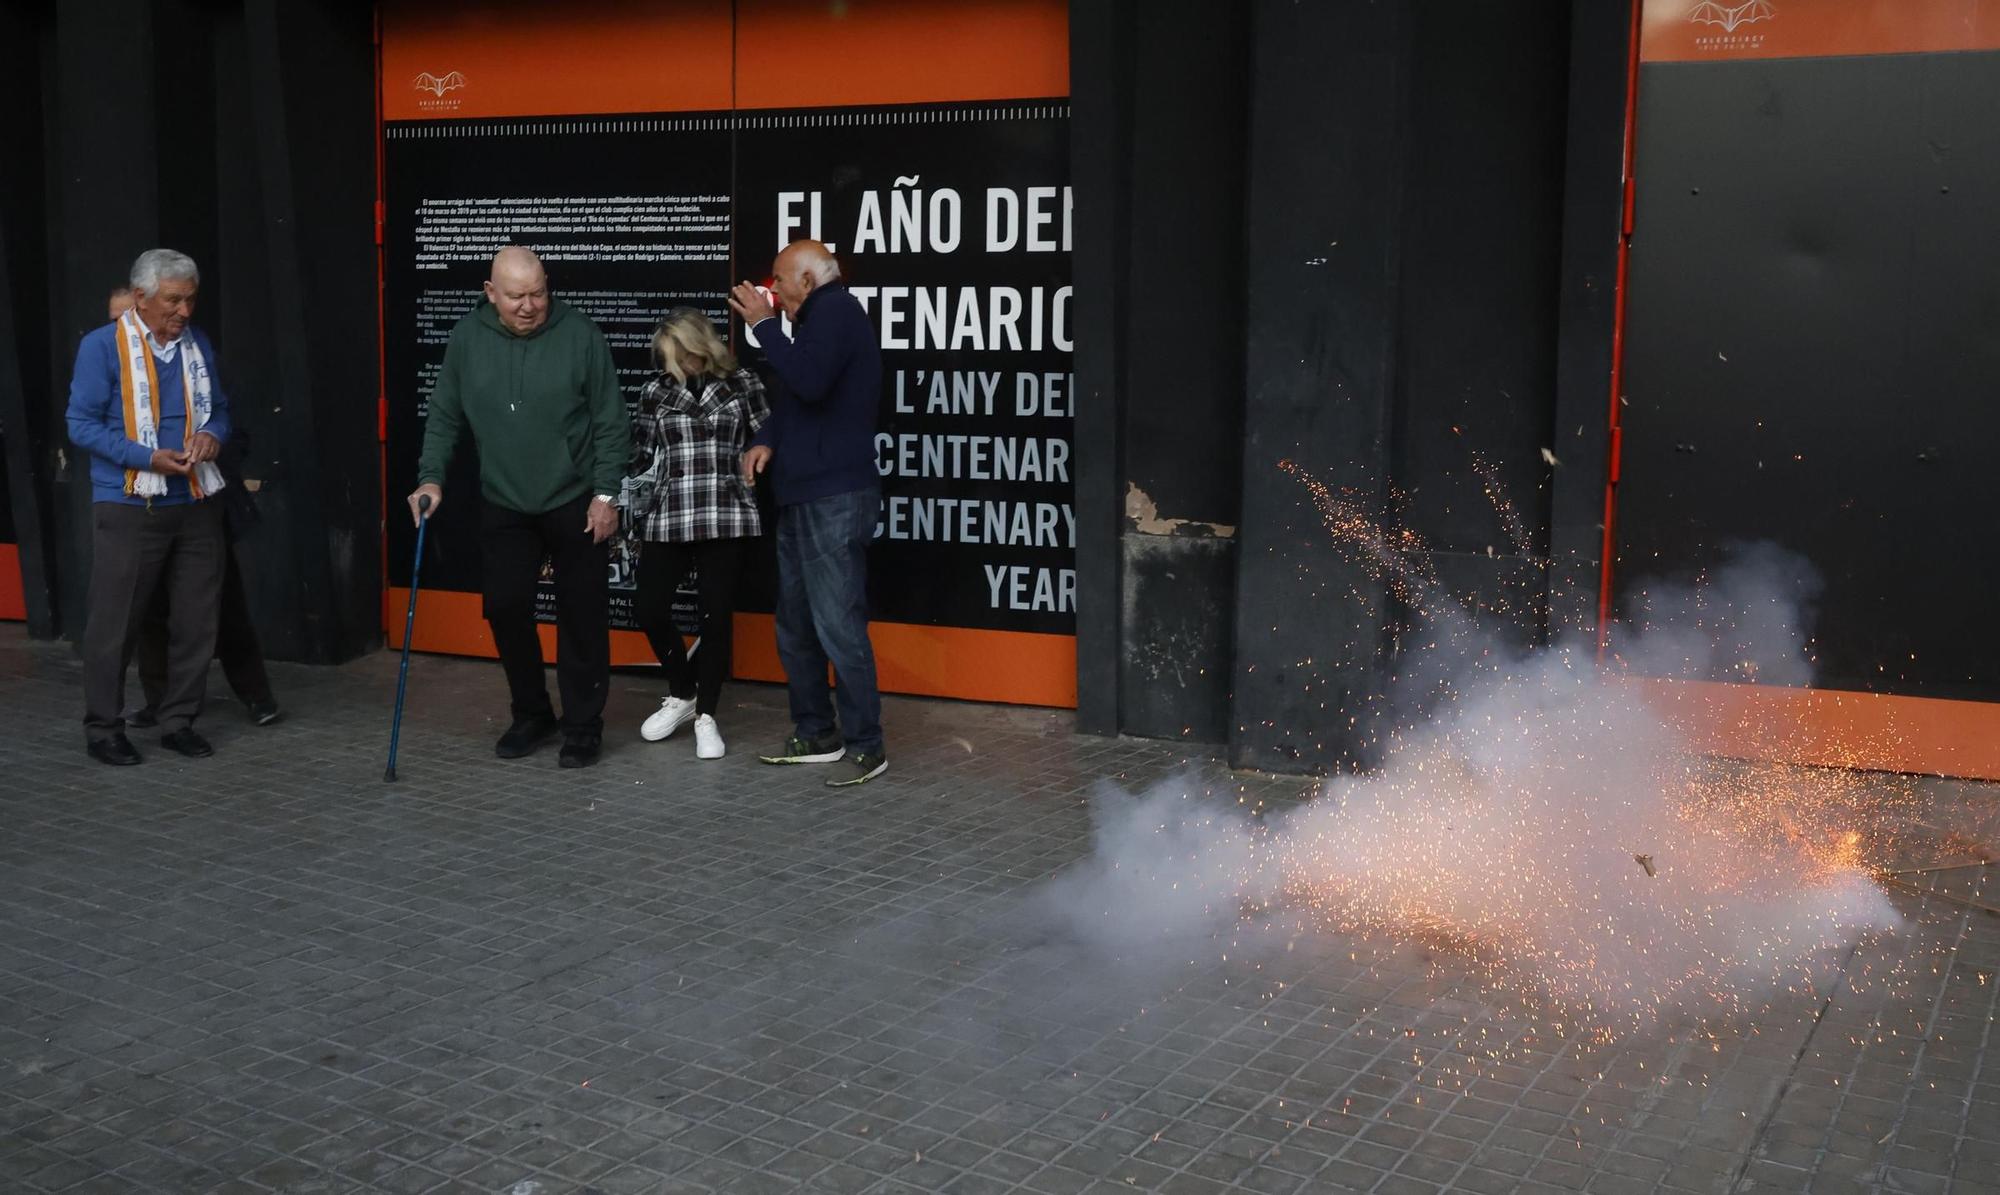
(512,547)
(662,568)
(236,643)
(136,550)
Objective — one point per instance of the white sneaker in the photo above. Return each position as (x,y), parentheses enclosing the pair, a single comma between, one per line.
(673,714)
(707,739)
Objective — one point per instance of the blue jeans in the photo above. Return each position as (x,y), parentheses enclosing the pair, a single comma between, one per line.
(823,616)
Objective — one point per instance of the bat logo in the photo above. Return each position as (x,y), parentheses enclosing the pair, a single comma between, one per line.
(1729,16)
(437,86)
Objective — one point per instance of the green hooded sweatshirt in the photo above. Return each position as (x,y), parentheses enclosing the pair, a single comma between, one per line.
(545,410)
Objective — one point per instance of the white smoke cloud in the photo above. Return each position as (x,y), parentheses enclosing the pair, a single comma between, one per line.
(1175,865)
(1745,622)
(1545,823)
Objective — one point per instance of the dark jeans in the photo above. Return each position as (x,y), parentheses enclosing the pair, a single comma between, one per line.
(662,568)
(136,550)
(823,615)
(512,547)
(235,642)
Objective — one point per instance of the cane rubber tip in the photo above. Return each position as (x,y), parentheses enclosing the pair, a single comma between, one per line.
(389,777)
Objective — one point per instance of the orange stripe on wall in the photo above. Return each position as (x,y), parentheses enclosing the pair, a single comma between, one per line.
(809,53)
(1831,727)
(540,59)
(1013,667)
(508,58)
(1721,30)
(13,594)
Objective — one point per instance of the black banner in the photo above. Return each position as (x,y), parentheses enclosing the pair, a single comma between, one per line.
(624,232)
(953,227)
(952,223)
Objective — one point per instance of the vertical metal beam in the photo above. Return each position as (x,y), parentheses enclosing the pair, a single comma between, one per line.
(1100,123)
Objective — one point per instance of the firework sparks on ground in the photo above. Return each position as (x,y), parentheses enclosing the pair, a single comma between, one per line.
(1551,830)
(1536,819)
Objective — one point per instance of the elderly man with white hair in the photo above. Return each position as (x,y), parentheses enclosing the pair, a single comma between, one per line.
(145,405)
(819,445)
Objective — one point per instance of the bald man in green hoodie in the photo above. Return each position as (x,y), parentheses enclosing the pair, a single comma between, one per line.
(532,379)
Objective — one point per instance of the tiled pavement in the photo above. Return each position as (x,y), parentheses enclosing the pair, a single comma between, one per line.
(272,971)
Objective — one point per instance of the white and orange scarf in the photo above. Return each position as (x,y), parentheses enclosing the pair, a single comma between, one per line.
(139,389)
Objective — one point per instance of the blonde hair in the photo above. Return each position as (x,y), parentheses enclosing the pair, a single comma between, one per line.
(686,346)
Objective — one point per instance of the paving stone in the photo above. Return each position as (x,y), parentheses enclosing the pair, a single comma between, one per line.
(270,971)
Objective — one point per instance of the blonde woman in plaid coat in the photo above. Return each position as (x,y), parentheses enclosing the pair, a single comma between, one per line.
(686,495)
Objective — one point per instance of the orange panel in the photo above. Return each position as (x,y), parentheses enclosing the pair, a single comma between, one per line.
(816,53)
(1719,30)
(1014,667)
(449,622)
(1830,727)
(510,58)
(13,599)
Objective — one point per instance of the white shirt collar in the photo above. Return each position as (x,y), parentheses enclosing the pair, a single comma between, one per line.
(164,353)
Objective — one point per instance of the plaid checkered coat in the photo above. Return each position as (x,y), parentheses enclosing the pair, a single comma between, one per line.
(684,482)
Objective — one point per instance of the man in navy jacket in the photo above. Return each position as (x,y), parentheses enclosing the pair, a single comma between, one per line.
(819,448)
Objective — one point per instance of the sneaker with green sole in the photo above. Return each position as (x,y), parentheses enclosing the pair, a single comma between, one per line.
(857,768)
(824,749)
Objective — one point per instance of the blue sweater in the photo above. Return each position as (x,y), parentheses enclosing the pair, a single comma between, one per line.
(822,426)
(97,416)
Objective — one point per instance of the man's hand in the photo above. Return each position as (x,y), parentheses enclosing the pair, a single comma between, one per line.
(754,461)
(431,490)
(202,447)
(173,464)
(749,302)
(601,521)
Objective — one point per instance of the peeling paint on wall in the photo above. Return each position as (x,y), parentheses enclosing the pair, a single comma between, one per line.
(1143,514)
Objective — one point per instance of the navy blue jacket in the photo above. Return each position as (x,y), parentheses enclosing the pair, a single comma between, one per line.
(97,416)
(822,426)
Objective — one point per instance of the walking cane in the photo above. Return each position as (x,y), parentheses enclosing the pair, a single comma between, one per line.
(409,622)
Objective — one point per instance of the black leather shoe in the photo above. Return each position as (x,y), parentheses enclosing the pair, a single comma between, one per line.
(524,736)
(117,751)
(580,750)
(265,712)
(188,742)
(142,719)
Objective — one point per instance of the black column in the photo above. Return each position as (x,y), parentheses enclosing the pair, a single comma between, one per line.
(24,328)
(1100,131)
(1182,309)
(1476,345)
(1328,112)
(243,135)
(105,209)
(1593,217)
(314,170)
